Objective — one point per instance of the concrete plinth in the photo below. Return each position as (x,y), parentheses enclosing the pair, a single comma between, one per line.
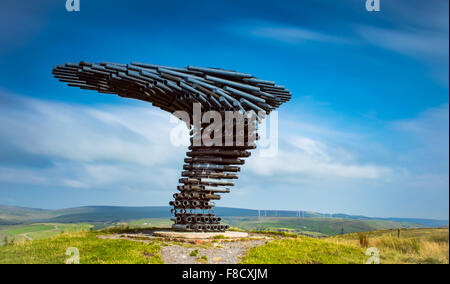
(200,235)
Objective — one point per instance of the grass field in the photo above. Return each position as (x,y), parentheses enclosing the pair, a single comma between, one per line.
(319,226)
(92,250)
(413,246)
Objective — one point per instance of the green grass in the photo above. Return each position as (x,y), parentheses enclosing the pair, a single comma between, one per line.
(194,252)
(18,230)
(38,231)
(219,237)
(92,250)
(303,250)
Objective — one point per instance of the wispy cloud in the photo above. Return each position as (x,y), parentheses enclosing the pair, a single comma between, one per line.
(86,147)
(420,43)
(429,46)
(421,34)
(283,33)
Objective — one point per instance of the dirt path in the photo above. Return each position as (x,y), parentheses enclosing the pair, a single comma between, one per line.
(213,253)
(27,237)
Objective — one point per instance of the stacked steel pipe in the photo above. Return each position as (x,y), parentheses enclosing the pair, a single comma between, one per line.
(208,170)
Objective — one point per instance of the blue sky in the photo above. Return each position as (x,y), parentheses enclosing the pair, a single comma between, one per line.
(367,130)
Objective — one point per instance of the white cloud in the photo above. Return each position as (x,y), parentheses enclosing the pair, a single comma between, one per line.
(427,44)
(298,165)
(412,42)
(88,147)
(310,147)
(425,40)
(88,135)
(23,176)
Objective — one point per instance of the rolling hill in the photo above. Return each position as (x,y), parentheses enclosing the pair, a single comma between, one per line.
(10,215)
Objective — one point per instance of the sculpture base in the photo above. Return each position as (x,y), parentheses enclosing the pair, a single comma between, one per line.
(200,235)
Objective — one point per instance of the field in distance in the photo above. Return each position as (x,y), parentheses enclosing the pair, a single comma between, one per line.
(314,227)
(17,233)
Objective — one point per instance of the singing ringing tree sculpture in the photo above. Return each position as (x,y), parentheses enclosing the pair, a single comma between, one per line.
(232,103)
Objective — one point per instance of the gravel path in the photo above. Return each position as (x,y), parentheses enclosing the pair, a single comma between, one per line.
(216,253)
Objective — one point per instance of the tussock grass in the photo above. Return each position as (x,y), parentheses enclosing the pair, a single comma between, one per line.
(92,250)
(403,246)
(413,246)
(363,240)
(440,237)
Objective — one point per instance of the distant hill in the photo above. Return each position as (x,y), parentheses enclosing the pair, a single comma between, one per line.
(432,223)
(10,215)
